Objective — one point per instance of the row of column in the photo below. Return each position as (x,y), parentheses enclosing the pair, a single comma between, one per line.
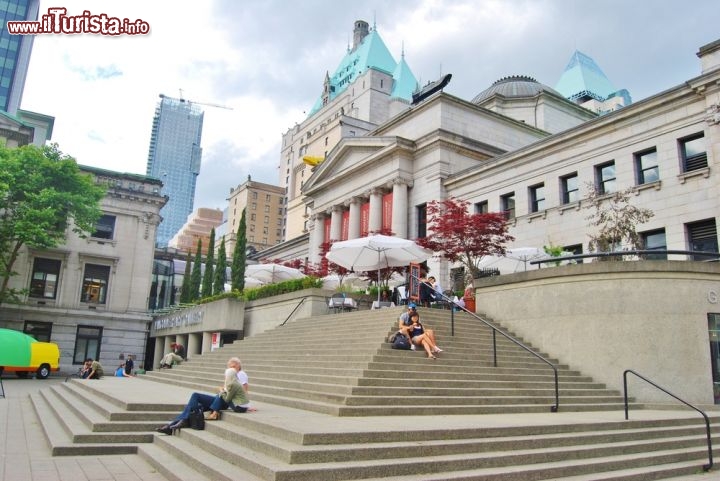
(399,224)
(195,343)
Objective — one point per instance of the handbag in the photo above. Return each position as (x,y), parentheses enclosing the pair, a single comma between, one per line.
(197,419)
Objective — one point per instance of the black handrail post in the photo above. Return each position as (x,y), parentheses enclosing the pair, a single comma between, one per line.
(706,467)
(452,319)
(494,348)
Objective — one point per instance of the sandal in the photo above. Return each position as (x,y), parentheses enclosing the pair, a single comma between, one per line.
(432,357)
(213,416)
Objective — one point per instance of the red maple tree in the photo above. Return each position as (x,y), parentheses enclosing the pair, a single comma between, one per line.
(459,236)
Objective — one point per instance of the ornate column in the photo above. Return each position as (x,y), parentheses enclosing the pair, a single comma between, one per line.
(317,237)
(336,223)
(354,228)
(400,208)
(375,210)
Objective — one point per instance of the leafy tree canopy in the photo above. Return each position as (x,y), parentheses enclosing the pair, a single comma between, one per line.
(460,236)
(616,220)
(42,193)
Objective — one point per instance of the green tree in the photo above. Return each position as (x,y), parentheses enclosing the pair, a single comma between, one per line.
(207,280)
(459,236)
(238,261)
(220,269)
(616,220)
(185,295)
(195,277)
(42,193)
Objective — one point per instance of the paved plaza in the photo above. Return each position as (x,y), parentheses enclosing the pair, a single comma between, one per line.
(25,454)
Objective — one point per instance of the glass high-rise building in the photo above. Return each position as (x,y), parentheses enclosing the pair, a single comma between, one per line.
(14,52)
(174,158)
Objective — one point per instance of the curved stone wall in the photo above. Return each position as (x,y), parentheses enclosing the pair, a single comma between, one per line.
(605,317)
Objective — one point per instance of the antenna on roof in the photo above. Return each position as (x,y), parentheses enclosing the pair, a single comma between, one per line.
(374,20)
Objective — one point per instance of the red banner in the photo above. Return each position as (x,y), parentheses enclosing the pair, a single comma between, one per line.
(345,228)
(364,219)
(387,201)
(326,227)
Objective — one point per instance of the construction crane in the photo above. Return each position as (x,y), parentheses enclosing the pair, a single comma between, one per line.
(181,99)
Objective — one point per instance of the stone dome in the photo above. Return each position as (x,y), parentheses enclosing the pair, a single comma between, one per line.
(513,86)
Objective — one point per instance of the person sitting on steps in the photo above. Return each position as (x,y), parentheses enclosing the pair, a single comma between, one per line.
(421,337)
(237,400)
(175,356)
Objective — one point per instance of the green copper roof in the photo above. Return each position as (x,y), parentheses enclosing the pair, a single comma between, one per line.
(583,78)
(404,82)
(371,53)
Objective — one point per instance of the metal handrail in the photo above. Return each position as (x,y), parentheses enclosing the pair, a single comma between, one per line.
(495,330)
(293,311)
(636,252)
(706,467)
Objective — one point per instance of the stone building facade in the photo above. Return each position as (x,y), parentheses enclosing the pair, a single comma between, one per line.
(90,295)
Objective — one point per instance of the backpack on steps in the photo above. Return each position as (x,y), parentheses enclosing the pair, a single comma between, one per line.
(400,342)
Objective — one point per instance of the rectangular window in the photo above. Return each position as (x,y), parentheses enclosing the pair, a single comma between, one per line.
(254,206)
(646,166)
(702,236)
(41,331)
(104,227)
(537,198)
(714,335)
(44,282)
(693,152)
(605,178)
(422,220)
(481,207)
(87,343)
(95,284)
(253,217)
(654,240)
(507,205)
(576,249)
(267,219)
(267,197)
(254,195)
(569,188)
(265,230)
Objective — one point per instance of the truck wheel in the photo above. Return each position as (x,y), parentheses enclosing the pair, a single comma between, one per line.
(21,374)
(43,372)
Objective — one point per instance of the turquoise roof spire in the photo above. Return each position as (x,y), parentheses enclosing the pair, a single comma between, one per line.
(583,78)
(371,52)
(404,82)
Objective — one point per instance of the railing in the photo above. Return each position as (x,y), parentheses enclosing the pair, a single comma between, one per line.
(495,330)
(706,467)
(636,252)
(293,311)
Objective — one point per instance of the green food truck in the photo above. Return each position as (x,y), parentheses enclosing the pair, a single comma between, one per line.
(22,354)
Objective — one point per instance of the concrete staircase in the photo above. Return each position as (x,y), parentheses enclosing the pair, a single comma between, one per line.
(341,365)
(335,406)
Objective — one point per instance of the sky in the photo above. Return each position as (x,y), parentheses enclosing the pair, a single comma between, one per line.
(265,60)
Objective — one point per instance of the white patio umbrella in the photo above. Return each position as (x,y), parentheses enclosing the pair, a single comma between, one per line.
(514,260)
(376,252)
(270,273)
(249,282)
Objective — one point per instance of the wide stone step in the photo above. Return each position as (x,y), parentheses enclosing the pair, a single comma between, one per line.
(68,436)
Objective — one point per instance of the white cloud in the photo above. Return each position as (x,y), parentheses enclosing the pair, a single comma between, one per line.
(266,59)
